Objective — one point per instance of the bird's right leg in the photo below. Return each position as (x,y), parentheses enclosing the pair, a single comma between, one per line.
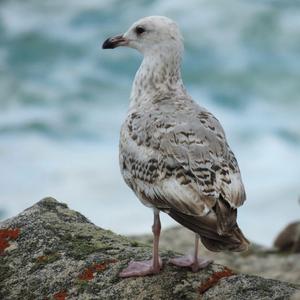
(147,267)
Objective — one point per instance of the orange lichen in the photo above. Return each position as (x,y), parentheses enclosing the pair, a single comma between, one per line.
(62,295)
(42,258)
(3,245)
(7,234)
(214,279)
(10,233)
(88,273)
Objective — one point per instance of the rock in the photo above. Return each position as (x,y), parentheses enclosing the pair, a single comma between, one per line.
(296,296)
(289,238)
(258,260)
(248,287)
(51,252)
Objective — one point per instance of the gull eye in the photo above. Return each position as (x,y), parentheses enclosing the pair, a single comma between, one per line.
(139,30)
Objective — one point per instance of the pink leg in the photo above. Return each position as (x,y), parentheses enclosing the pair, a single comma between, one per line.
(147,267)
(192,261)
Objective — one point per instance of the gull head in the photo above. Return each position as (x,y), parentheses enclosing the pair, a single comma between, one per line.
(149,35)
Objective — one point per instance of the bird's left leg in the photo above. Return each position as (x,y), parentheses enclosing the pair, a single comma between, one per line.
(147,267)
(192,261)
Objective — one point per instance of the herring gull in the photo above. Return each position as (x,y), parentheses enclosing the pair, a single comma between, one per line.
(173,153)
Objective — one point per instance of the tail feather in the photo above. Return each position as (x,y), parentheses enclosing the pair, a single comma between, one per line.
(208,229)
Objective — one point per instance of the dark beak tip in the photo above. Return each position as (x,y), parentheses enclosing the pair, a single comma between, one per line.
(114,42)
(107,44)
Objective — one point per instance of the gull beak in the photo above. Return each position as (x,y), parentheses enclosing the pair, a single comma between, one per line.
(114,42)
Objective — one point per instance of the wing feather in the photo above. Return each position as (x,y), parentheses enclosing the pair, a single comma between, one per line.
(172,161)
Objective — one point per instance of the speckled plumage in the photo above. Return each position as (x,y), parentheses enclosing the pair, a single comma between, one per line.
(173,152)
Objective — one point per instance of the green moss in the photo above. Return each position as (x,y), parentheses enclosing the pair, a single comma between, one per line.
(134,244)
(80,247)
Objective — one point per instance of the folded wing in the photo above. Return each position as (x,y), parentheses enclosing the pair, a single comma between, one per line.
(185,168)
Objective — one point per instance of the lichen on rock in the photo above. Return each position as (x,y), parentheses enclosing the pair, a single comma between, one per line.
(60,254)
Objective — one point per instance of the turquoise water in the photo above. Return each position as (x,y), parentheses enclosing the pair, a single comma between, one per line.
(63,99)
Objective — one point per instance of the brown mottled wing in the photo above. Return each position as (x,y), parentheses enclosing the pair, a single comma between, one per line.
(175,157)
(202,154)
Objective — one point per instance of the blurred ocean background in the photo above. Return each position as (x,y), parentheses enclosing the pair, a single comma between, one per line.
(63,99)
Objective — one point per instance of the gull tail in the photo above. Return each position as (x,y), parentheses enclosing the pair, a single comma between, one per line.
(211,233)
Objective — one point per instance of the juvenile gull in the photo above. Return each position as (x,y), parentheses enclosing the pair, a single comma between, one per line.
(173,152)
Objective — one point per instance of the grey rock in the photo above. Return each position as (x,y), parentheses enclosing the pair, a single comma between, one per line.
(51,252)
(258,260)
(248,287)
(288,240)
(296,296)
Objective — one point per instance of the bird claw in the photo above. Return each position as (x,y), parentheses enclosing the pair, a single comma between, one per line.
(190,262)
(141,268)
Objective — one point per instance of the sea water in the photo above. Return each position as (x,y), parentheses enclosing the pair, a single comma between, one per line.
(63,99)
